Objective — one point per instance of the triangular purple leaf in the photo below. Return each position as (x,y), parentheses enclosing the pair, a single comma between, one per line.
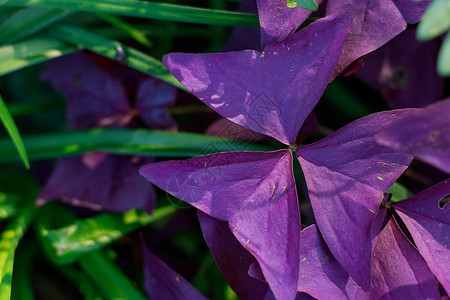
(255,192)
(346,174)
(161,282)
(425,134)
(271,92)
(278,21)
(428,221)
(412,10)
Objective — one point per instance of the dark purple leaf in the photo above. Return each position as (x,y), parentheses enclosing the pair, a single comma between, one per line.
(100,181)
(404,71)
(255,192)
(346,174)
(398,270)
(428,221)
(278,21)
(375,22)
(161,282)
(412,10)
(95,99)
(273,91)
(425,134)
(232,259)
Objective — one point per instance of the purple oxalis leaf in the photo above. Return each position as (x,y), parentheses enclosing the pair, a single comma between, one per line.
(255,192)
(425,134)
(412,10)
(428,221)
(100,181)
(271,92)
(161,282)
(346,174)
(278,21)
(398,270)
(375,22)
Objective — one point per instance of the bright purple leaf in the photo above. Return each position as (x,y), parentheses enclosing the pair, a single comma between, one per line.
(412,10)
(404,71)
(100,181)
(232,259)
(152,99)
(255,192)
(161,282)
(428,221)
(398,270)
(375,22)
(95,98)
(226,129)
(425,134)
(278,21)
(273,91)
(346,174)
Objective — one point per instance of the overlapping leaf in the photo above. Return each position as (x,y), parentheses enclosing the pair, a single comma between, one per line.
(412,11)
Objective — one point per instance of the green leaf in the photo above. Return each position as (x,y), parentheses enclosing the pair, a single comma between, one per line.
(10,205)
(435,21)
(399,192)
(308,4)
(87,287)
(67,244)
(150,10)
(291,3)
(443,65)
(28,21)
(125,141)
(13,132)
(134,58)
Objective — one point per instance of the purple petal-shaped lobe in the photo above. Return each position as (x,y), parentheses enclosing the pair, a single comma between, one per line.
(320,273)
(429,225)
(161,282)
(100,181)
(232,259)
(255,192)
(94,97)
(375,22)
(271,92)
(152,99)
(278,21)
(398,270)
(404,71)
(425,134)
(346,174)
(412,10)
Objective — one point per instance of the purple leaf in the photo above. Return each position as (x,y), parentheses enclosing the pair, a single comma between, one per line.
(428,221)
(270,92)
(412,10)
(375,22)
(404,70)
(161,282)
(232,259)
(255,192)
(425,134)
(398,270)
(100,181)
(346,174)
(278,21)
(94,97)
(152,99)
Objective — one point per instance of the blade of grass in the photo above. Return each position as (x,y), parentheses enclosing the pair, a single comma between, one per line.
(13,132)
(150,10)
(28,21)
(134,58)
(10,205)
(34,108)
(125,141)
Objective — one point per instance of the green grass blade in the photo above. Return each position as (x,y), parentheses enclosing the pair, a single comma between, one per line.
(28,21)
(435,21)
(147,9)
(444,57)
(125,141)
(13,132)
(134,58)
(10,205)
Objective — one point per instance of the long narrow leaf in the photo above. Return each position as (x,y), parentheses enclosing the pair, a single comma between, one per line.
(13,132)
(125,141)
(9,205)
(150,10)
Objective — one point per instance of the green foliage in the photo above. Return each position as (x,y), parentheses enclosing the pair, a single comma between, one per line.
(435,21)
(399,192)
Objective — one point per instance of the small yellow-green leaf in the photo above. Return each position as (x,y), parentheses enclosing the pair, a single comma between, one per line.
(435,21)
(308,4)
(291,3)
(443,66)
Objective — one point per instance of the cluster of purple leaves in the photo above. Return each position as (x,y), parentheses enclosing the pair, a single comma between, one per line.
(247,201)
